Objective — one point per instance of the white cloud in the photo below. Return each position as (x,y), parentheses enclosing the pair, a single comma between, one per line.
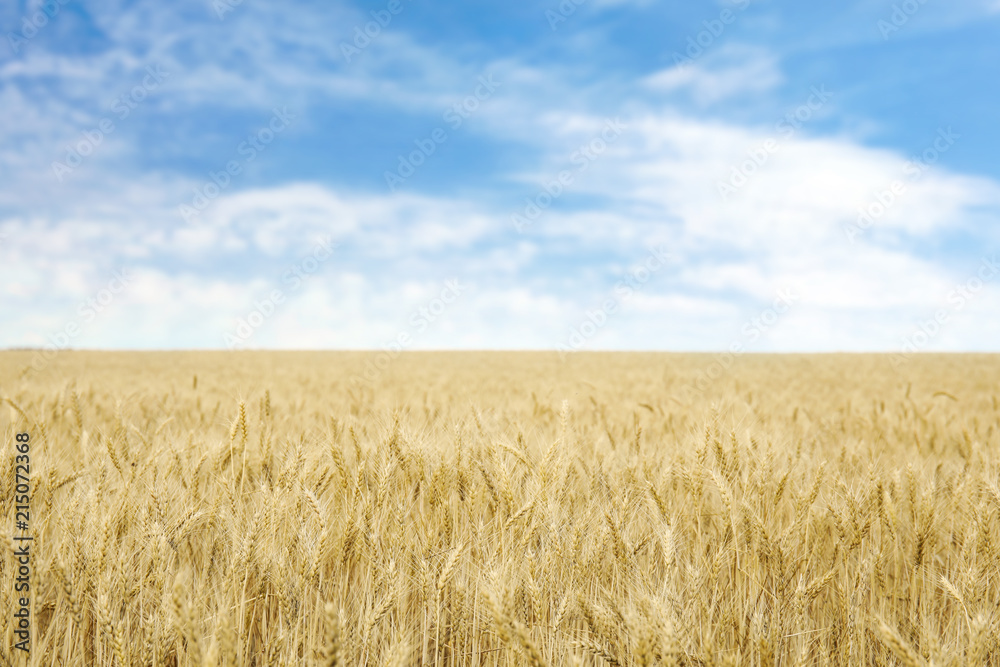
(725,73)
(783,230)
(657,184)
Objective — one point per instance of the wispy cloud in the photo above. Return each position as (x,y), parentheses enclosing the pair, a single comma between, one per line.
(687,127)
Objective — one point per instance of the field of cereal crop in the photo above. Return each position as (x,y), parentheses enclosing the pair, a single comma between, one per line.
(463,508)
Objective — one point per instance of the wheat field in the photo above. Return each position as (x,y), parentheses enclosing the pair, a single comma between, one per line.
(488,508)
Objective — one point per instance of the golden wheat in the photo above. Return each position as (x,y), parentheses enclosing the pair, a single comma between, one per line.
(494,509)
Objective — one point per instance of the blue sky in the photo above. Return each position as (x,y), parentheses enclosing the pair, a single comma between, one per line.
(600,174)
